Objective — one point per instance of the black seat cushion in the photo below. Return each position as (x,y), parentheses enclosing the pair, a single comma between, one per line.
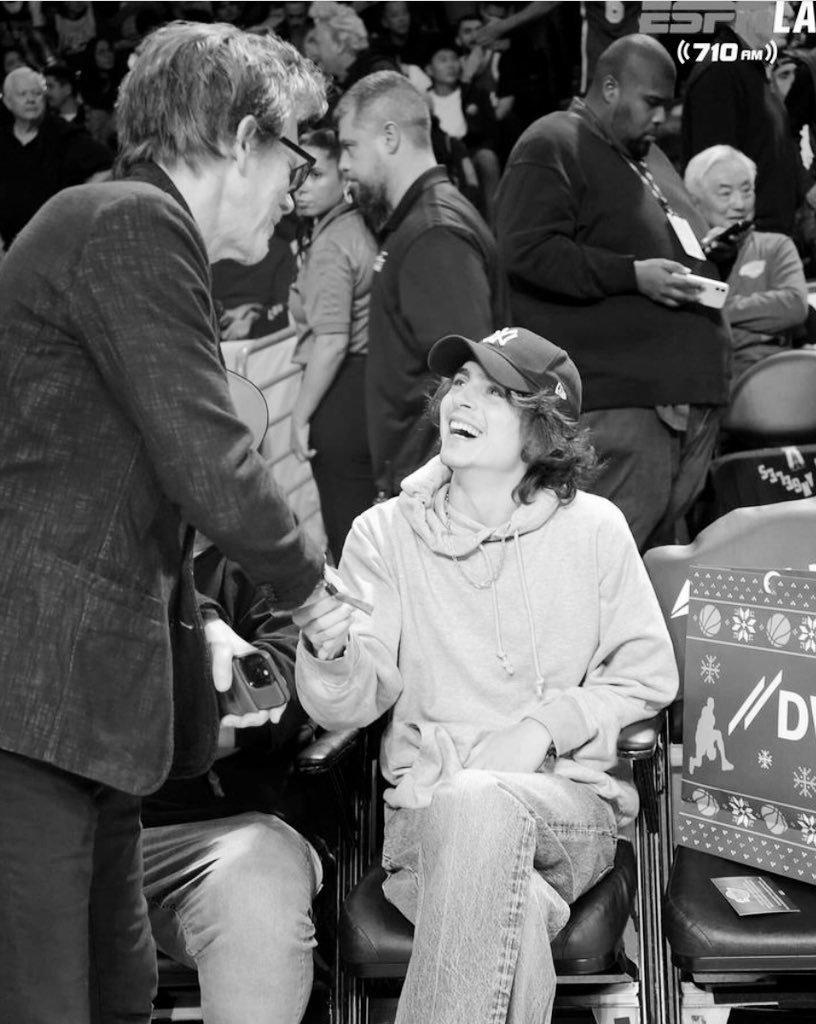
(707,935)
(375,939)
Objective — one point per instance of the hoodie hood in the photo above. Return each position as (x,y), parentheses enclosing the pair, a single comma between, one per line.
(449,532)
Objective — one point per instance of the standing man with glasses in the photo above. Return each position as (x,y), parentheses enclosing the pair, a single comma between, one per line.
(118,436)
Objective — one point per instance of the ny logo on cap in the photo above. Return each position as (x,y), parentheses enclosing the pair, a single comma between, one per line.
(501,337)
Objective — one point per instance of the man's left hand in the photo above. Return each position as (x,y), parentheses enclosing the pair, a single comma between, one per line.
(518,748)
(225,644)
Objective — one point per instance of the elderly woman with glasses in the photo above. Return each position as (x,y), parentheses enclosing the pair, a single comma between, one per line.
(118,436)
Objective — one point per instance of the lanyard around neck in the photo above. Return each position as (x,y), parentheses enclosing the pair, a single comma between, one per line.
(638,166)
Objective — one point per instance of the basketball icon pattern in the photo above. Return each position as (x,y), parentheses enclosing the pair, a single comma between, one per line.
(706,804)
(774,819)
(778,629)
(709,620)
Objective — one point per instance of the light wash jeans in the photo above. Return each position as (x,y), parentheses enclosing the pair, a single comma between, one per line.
(486,874)
(232,898)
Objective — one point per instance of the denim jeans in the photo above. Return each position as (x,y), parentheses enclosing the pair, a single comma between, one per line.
(75,944)
(486,874)
(232,898)
(652,472)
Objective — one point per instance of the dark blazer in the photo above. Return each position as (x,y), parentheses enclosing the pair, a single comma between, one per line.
(117,429)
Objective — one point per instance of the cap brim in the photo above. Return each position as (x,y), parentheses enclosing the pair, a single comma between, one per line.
(449,354)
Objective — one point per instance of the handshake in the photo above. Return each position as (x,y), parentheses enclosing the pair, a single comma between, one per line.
(325,617)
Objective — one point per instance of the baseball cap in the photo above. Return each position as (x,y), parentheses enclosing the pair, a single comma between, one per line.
(517,359)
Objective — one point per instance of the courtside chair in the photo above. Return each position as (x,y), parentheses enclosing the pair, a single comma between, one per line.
(717,960)
(773,403)
(594,971)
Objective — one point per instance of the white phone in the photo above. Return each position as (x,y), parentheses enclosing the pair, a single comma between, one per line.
(714,292)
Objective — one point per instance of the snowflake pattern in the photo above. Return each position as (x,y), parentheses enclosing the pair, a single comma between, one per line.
(710,669)
(741,811)
(807,825)
(804,781)
(807,633)
(743,625)
(765,759)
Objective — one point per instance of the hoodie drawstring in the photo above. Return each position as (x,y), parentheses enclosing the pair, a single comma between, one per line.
(501,654)
(539,678)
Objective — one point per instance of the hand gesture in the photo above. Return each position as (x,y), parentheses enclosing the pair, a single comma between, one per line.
(299,441)
(662,281)
(225,644)
(324,620)
(518,748)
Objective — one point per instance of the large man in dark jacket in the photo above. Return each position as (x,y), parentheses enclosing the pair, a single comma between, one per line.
(437,271)
(596,233)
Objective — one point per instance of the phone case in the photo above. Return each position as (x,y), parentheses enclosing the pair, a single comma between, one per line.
(257,685)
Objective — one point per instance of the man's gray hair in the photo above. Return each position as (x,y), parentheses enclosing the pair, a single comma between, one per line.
(389,96)
(191,84)
(700,164)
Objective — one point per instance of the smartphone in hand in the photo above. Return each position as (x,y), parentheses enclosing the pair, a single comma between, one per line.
(257,685)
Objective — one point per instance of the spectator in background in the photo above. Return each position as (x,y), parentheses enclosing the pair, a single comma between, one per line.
(12,59)
(40,153)
(406,48)
(341,45)
(488,71)
(768,293)
(584,224)
(22,28)
(436,271)
(734,103)
(253,300)
(102,71)
(329,303)
(464,114)
(71,26)
(61,94)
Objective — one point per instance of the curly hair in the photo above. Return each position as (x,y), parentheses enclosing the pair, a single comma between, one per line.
(558,451)
(191,84)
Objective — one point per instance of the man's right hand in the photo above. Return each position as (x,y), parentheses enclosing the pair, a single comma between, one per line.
(662,281)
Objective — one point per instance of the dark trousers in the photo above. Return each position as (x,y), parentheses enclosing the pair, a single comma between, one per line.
(652,472)
(342,465)
(75,942)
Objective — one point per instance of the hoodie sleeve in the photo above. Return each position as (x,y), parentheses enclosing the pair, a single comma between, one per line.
(356,689)
(632,673)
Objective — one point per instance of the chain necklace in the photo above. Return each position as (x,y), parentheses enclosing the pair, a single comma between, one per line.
(486,583)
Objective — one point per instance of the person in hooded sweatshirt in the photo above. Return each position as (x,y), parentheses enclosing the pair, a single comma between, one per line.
(514,633)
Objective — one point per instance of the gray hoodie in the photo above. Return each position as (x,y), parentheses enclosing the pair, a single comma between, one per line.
(550,617)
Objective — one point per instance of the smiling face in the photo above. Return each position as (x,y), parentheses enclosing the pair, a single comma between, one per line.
(726,193)
(323,189)
(479,427)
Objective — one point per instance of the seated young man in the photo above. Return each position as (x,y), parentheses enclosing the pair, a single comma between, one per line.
(514,633)
(464,113)
(229,876)
(768,294)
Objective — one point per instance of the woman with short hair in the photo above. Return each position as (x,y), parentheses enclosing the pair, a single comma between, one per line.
(514,633)
(118,435)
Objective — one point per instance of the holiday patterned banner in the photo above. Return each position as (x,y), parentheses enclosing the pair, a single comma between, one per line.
(749,719)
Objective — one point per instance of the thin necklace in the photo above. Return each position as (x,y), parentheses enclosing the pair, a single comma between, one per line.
(488,582)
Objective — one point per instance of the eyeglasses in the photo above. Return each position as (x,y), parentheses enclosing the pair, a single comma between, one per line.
(299,173)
